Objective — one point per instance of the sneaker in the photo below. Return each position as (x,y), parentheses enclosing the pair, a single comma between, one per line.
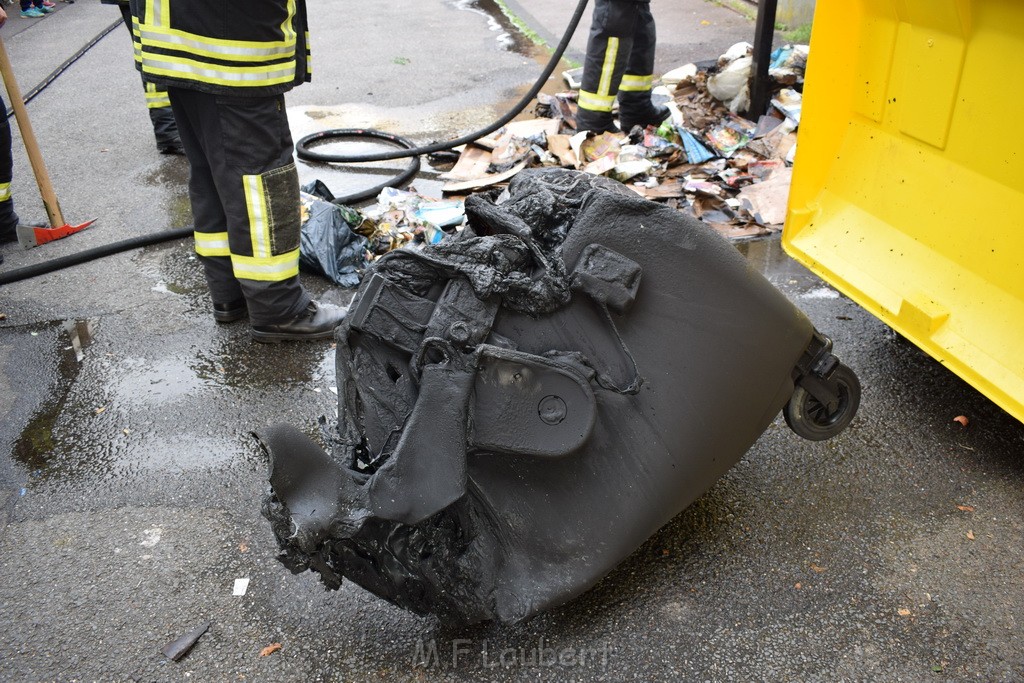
(46,10)
(47,3)
(32,13)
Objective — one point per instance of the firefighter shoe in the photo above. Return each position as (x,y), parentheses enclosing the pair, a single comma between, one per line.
(651,115)
(317,321)
(171,147)
(9,233)
(595,121)
(231,311)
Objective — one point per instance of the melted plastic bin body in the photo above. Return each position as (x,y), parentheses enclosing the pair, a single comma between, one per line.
(908,186)
(520,408)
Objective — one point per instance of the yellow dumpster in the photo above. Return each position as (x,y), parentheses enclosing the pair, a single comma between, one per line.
(908,185)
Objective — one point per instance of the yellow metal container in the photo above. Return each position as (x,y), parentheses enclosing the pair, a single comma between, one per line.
(908,185)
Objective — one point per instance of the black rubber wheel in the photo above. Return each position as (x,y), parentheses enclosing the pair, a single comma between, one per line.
(811,419)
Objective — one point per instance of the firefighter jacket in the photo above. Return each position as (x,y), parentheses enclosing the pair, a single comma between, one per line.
(223,47)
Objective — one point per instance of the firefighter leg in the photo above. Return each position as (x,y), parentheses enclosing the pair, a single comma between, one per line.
(8,217)
(608,49)
(164,128)
(245,144)
(211,232)
(635,106)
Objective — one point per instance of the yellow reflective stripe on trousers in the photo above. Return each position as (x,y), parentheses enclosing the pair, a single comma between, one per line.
(156,98)
(273,269)
(309,56)
(634,83)
(259,225)
(595,102)
(5,192)
(242,76)
(263,264)
(212,243)
(604,86)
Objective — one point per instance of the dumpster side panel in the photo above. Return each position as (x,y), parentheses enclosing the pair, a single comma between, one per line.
(908,189)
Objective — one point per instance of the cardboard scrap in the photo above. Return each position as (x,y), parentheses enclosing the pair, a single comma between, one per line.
(472,163)
(770,197)
(560,146)
(485,180)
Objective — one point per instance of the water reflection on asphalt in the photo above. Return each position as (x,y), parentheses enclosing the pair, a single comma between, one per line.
(182,405)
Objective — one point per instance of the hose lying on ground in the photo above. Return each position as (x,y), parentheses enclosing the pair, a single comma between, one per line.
(303,151)
(90,254)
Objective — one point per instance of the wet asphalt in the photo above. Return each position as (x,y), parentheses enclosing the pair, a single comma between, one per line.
(130,481)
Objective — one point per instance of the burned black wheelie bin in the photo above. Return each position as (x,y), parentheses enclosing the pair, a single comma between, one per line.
(522,405)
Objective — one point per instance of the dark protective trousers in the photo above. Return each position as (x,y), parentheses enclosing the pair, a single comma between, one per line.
(164,128)
(8,218)
(244,190)
(620,54)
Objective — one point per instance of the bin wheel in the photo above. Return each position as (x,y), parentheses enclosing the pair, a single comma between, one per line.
(811,419)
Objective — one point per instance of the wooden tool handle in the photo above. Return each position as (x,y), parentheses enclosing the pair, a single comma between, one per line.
(28,137)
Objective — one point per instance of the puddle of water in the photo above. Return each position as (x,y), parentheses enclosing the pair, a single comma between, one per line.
(176,288)
(262,367)
(118,418)
(80,332)
(820,293)
(168,175)
(767,257)
(36,441)
(510,34)
(180,208)
(154,382)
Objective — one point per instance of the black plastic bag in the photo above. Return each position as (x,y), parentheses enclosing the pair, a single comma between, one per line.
(328,246)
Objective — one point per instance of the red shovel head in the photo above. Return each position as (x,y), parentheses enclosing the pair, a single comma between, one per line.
(33,235)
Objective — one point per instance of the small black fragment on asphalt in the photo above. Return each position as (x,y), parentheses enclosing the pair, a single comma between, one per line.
(176,649)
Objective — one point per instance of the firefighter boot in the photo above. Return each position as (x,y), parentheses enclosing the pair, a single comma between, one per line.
(637,109)
(316,321)
(595,121)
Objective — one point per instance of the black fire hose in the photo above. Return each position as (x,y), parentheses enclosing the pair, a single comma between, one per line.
(45,267)
(397,181)
(303,151)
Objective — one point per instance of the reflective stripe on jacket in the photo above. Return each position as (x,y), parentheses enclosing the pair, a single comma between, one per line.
(222,46)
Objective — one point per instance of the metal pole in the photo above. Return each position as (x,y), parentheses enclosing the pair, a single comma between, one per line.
(760,84)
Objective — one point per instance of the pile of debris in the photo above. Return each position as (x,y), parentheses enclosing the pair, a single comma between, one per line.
(731,172)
